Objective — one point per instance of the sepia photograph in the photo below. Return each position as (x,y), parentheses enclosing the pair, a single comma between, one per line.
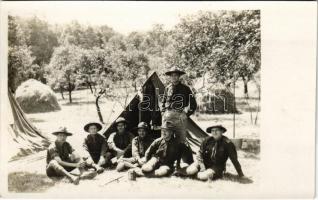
(111,99)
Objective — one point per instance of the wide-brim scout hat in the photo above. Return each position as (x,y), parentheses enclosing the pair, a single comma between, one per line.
(62,130)
(168,126)
(98,126)
(175,70)
(121,120)
(142,125)
(222,128)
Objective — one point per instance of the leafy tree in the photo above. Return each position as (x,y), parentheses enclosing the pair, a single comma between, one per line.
(16,36)
(20,66)
(63,69)
(225,44)
(41,39)
(134,65)
(136,40)
(95,71)
(105,33)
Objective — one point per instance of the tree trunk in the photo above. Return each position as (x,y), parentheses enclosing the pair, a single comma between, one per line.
(135,86)
(61,91)
(70,95)
(70,92)
(90,87)
(98,108)
(245,88)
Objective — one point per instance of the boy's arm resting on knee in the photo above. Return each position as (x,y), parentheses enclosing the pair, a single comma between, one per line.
(151,150)
(200,157)
(112,145)
(65,164)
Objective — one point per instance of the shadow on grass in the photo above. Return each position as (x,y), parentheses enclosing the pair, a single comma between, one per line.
(237,179)
(28,182)
(226,177)
(251,154)
(78,103)
(35,120)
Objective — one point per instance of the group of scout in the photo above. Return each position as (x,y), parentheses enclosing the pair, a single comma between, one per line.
(142,154)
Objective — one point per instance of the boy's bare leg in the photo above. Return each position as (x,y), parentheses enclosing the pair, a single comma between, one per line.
(150,165)
(138,172)
(58,169)
(84,174)
(205,175)
(162,171)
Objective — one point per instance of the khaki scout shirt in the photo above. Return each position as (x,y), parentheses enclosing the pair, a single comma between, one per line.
(166,151)
(178,97)
(62,150)
(139,146)
(122,142)
(95,146)
(214,154)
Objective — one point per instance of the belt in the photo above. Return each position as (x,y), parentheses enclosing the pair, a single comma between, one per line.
(174,110)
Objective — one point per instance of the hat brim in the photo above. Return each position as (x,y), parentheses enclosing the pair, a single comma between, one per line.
(98,126)
(168,128)
(125,122)
(171,72)
(65,133)
(137,128)
(209,129)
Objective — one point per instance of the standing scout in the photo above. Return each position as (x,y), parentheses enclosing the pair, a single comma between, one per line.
(177,105)
(95,146)
(62,159)
(119,142)
(163,153)
(213,154)
(138,147)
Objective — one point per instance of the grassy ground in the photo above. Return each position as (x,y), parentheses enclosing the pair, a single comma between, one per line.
(28,182)
(28,173)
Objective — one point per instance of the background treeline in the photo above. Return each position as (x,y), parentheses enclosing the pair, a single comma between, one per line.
(223,46)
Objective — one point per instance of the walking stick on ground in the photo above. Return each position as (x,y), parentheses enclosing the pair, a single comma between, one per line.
(113,180)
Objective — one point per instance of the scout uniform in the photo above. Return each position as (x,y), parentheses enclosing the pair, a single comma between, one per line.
(94,145)
(176,99)
(64,151)
(61,150)
(138,147)
(118,141)
(165,153)
(214,154)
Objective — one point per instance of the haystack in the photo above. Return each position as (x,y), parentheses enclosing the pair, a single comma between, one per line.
(34,97)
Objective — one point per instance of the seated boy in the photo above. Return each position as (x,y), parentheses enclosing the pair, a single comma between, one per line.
(214,152)
(162,153)
(62,159)
(95,146)
(139,146)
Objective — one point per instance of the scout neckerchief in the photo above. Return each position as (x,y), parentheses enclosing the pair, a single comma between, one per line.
(63,150)
(141,145)
(162,149)
(214,149)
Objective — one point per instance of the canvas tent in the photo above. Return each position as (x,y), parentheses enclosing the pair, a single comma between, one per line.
(23,135)
(154,88)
